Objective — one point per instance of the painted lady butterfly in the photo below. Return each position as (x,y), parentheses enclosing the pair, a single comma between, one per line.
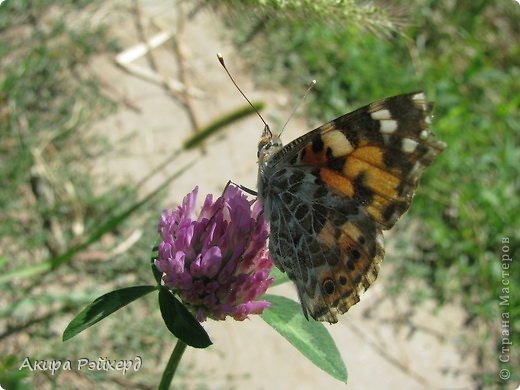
(329,194)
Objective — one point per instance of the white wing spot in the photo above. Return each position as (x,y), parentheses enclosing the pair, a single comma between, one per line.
(415,172)
(326,127)
(408,145)
(424,134)
(388,126)
(420,101)
(337,142)
(381,115)
(380,240)
(419,96)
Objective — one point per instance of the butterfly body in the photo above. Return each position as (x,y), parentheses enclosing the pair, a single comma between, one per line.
(329,194)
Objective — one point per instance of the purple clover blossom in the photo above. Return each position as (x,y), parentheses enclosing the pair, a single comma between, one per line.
(217,263)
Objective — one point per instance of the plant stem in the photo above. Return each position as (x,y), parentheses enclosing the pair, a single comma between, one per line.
(171,367)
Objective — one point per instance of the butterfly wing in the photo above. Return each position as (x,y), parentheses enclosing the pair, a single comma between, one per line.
(329,193)
(326,243)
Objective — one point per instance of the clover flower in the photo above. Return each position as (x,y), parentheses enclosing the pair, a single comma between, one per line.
(216,263)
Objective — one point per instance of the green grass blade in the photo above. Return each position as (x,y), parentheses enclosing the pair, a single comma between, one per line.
(109,225)
(115,221)
(213,127)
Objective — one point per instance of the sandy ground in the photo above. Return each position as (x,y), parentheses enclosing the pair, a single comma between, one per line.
(378,352)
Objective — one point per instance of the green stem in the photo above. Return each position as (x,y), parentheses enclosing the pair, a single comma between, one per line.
(171,367)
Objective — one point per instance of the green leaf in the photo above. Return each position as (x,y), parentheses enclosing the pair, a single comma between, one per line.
(311,338)
(104,306)
(279,277)
(181,322)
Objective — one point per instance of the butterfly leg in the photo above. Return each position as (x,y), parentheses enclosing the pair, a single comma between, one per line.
(243,188)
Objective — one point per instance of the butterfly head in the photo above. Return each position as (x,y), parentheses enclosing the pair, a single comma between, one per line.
(269,145)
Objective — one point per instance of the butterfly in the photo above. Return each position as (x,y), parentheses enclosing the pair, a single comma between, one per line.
(329,194)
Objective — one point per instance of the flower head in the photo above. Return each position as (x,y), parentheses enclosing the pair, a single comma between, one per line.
(216,262)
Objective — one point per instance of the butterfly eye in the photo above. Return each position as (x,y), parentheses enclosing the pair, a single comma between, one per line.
(328,286)
(263,147)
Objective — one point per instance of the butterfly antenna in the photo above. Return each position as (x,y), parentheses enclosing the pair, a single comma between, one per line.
(221,60)
(311,85)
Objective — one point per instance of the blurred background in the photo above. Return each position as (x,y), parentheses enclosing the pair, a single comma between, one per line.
(97,100)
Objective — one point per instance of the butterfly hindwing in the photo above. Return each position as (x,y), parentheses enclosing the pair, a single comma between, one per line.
(325,242)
